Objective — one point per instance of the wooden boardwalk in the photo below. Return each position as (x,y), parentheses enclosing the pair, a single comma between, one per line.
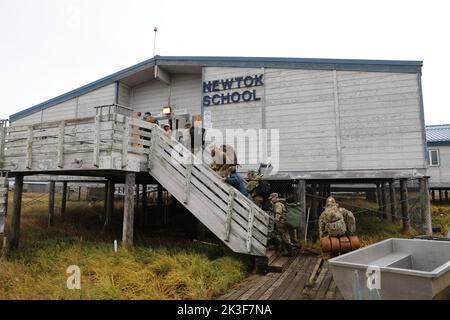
(304,277)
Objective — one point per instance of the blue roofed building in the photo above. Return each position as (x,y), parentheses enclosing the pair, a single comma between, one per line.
(438,142)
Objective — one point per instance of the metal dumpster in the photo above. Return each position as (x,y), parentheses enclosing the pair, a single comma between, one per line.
(406,269)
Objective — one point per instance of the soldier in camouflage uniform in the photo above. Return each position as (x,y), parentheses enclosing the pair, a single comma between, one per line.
(335,221)
(280,233)
(253,180)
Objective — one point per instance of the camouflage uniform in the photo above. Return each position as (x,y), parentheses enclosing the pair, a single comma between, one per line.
(335,221)
(280,233)
(253,182)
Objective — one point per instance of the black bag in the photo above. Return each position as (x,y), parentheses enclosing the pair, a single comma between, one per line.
(263,189)
(266,204)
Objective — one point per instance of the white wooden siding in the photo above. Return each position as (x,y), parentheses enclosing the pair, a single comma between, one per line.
(182,94)
(79,107)
(380,120)
(332,120)
(124,95)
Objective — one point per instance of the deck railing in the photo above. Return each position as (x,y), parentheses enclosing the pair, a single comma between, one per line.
(113,140)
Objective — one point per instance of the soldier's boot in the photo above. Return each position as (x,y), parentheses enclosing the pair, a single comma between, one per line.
(290,250)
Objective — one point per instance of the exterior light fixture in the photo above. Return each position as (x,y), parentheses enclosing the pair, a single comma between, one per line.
(167,111)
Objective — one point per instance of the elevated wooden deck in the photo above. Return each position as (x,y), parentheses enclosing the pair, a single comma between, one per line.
(114,145)
(304,277)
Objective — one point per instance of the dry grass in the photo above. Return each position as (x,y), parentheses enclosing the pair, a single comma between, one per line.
(441,217)
(157,268)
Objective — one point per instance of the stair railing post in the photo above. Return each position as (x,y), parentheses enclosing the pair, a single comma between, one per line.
(250,228)
(97,124)
(231,196)
(62,128)
(151,148)
(187,183)
(126,141)
(30,147)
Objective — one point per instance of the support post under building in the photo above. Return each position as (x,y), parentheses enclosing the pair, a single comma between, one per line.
(425,206)
(384,201)
(17,206)
(109,204)
(405,204)
(128,210)
(300,199)
(64,199)
(393,201)
(51,204)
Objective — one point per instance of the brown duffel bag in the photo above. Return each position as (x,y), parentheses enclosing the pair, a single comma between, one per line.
(340,244)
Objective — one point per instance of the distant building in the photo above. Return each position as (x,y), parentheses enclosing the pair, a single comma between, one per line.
(438,142)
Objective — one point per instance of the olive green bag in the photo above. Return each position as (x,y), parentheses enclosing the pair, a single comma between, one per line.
(292,215)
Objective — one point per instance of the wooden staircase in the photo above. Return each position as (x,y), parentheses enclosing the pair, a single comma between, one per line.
(113,142)
(232,217)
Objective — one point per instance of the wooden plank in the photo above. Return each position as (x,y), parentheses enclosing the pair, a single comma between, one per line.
(51,203)
(404,204)
(97,141)
(270,278)
(279,264)
(296,268)
(315,270)
(128,213)
(64,199)
(255,287)
(61,144)
(17,206)
(294,291)
(323,289)
(314,290)
(29,158)
(250,230)
(229,218)
(240,289)
(125,142)
(277,283)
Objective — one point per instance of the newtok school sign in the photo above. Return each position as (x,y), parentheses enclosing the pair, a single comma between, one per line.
(212,89)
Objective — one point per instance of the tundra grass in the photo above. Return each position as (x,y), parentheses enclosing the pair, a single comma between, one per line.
(157,267)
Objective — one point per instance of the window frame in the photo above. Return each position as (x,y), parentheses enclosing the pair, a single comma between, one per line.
(437,158)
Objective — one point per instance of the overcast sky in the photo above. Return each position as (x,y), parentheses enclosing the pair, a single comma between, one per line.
(49,47)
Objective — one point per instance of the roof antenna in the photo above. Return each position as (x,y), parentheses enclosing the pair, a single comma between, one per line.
(154,40)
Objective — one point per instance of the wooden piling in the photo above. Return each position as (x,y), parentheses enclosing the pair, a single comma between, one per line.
(79,193)
(379,199)
(64,199)
(404,204)
(433,196)
(17,206)
(384,201)
(301,200)
(393,201)
(109,204)
(51,203)
(425,206)
(128,210)
(446,195)
(144,205)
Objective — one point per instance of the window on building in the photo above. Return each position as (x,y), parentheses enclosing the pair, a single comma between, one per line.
(433,157)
